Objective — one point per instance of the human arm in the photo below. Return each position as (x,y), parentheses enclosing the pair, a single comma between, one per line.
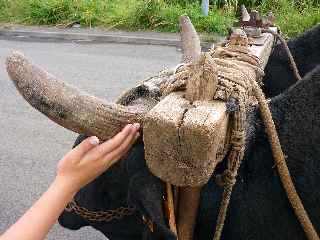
(76,169)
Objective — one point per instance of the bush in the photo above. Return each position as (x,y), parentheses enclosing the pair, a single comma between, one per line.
(147,14)
(293,16)
(48,12)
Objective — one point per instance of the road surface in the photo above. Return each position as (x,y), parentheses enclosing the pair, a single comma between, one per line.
(30,144)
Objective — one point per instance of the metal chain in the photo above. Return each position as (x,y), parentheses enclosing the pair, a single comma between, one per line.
(99,216)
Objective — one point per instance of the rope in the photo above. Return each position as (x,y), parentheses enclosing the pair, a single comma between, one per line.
(237,64)
(236,71)
(282,166)
(285,45)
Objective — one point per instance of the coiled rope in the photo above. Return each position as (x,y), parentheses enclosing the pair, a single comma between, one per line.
(293,64)
(246,84)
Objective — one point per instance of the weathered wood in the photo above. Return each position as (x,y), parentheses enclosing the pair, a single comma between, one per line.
(191,47)
(171,210)
(188,210)
(202,84)
(182,139)
(263,51)
(66,105)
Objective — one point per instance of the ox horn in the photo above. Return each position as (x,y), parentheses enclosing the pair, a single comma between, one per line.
(190,40)
(189,197)
(66,105)
(245,16)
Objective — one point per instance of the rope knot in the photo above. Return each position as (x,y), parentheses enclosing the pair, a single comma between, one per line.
(226,178)
(238,140)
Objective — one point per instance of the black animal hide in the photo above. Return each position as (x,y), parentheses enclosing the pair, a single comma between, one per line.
(306,52)
(259,207)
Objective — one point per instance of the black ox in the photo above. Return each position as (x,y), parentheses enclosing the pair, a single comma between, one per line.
(259,207)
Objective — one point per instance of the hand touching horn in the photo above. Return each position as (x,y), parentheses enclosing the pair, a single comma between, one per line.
(89,159)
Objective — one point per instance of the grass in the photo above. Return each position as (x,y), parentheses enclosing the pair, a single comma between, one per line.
(293,16)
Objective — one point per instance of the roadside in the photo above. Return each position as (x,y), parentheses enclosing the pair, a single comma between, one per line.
(94,35)
(293,17)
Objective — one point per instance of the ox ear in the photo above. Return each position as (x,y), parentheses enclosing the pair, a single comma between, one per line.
(71,221)
(146,193)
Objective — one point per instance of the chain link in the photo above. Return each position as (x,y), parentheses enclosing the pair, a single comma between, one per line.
(99,216)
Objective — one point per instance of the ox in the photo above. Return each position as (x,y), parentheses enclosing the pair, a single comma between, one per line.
(259,207)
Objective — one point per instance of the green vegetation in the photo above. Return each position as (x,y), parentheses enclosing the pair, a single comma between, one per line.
(293,16)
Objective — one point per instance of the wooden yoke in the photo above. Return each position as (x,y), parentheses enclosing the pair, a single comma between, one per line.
(182,139)
(185,136)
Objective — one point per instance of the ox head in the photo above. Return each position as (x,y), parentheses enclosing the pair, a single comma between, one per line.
(129,182)
(258,196)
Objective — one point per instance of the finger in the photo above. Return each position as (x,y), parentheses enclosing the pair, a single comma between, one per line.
(122,154)
(114,142)
(115,155)
(118,140)
(85,146)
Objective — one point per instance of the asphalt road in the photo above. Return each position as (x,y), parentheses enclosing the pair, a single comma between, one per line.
(30,144)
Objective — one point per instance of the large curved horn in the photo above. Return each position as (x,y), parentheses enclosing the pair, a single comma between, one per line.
(190,40)
(66,105)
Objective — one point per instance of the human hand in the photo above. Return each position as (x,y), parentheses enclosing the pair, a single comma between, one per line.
(89,159)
